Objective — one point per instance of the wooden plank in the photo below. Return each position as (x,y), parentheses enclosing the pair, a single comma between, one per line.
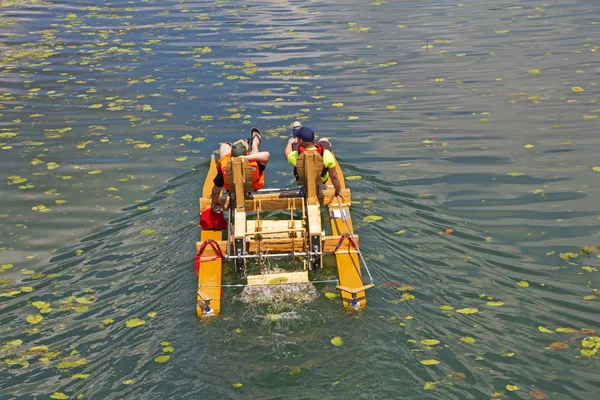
(276,246)
(278,278)
(209,274)
(273,229)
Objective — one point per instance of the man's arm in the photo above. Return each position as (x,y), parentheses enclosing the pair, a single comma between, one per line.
(262,157)
(335,179)
(288,147)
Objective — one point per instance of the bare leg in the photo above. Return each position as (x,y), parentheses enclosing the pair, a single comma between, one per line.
(224,150)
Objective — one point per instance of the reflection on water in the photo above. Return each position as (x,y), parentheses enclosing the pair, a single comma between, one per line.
(476,117)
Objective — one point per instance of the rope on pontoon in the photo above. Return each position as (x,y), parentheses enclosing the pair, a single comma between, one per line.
(351,236)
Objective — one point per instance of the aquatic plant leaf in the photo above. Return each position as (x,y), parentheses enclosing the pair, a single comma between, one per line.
(577,89)
(168,349)
(34,319)
(544,329)
(405,288)
(468,339)
(128,382)
(468,310)
(80,376)
(337,341)
(430,342)
(59,396)
(596,168)
(132,323)
(330,295)
(567,256)
(353,178)
(81,309)
(430,362)
(430,385)
(458,375)
(446,308)
(523,284)
(558,345)
(40,304)
(372,218)
(590,342)
(588,352)
(162,359)
(237,385)
(567,330)
(512,388)
(147,231)
(295,371)
(408,296)
(537,395)
(494,303)
(448,231)
(151,314)
(516,173)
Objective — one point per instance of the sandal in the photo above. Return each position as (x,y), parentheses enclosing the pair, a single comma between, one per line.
(254,132)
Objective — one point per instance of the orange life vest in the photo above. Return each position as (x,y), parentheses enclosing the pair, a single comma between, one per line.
(258,179)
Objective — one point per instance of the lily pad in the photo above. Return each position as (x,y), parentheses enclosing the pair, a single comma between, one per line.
(34,319)
(132,323)
(372,218)
(337,341)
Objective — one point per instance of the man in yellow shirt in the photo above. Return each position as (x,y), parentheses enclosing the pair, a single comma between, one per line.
(305,140)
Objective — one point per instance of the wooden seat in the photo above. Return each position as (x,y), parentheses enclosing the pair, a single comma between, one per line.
(239,176)
(309,167)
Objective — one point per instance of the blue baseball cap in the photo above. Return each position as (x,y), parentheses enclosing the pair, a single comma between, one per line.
(306,134)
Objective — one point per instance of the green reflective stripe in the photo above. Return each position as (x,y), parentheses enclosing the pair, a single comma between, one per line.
(328,159)
(292,158)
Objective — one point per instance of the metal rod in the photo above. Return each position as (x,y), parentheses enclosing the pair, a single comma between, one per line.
(312,253)
(267,284)
(274,231)
(263,190)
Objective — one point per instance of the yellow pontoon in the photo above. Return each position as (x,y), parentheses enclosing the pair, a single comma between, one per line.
(300,236)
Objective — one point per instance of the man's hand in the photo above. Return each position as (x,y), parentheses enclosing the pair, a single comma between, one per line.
(293,140)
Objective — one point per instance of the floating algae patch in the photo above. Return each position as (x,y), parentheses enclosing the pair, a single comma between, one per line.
(278,294)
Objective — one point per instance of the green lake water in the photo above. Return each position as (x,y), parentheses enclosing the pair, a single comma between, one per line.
(470,128)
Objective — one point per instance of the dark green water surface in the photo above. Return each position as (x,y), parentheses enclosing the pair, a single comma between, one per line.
(479,116)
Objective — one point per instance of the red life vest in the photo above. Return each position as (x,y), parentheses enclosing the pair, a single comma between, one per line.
(320,149)
(258,179)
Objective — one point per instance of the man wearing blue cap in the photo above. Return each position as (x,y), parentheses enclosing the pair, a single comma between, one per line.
(305,140)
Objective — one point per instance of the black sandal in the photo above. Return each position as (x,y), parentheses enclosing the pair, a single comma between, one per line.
(253,134)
